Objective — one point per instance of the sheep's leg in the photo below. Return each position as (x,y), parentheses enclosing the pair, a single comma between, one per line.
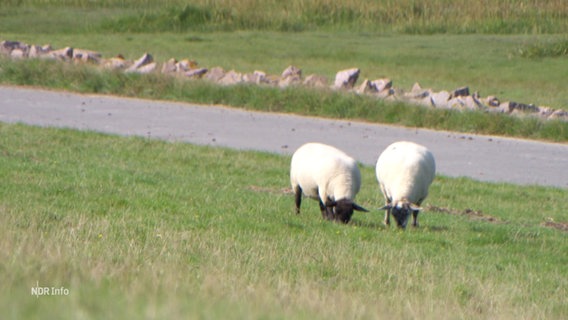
(330,213)
(387,217)
(323,209)
(415,218)
(298,197)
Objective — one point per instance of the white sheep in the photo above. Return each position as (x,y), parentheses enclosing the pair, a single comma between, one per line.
(326,174)
(405,171)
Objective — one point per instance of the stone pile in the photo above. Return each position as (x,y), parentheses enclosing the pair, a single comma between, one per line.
(345,80)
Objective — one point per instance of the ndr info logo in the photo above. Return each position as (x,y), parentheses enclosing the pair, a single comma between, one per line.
(49,291)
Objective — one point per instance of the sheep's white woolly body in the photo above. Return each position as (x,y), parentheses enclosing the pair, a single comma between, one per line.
(325,173)
(405,171)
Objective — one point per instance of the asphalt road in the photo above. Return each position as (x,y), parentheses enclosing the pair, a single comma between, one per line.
(484,158)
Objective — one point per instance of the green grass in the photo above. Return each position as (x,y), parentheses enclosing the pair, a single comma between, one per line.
(404,16)
(137,228)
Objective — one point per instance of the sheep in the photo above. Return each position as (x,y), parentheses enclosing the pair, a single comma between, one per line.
(326,174)
(404,171)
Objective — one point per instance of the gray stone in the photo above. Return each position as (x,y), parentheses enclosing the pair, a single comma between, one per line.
(38,52)
(115,63)
(142,61)
(346,79)
(170,66)
(367,87)
(472,103)
(215,74)
(492,101)
(146,68)
(87,56)
(291,71)
(559,115)
(440,99)
(231,78)
(316,81)
(461,92)
(382,84)
(62,54)
(196,73)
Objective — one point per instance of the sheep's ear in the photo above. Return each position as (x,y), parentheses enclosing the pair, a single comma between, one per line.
(359,208)
(386,207)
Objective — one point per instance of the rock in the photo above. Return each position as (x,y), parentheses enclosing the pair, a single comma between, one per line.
(38,52)
(142,61)
(257,77)
(522,107)
(456,103)
(472,103)
(260,76)
(6,47)
(382,84)
(346,79)
(367,87)
(545,112)
(18,54)
(440,99)
(170,66)
(505,107)
(559,115)
(62,54)
(115,63)
(291,71)
(461,92)
(290,76)
(145,69)
(231,78)
(316,81)
(215,74)
(289,81)
(186,65)
(417,93)
(492,101)
(196,73)
(86,56)
(387,93)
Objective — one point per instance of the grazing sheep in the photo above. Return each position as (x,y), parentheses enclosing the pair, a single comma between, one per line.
(326,174)
(405,171)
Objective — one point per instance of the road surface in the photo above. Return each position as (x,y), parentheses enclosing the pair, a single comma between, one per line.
(485,158)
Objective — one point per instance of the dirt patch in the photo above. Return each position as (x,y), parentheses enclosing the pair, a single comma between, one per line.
(479,215)
(562,226)
(474,214)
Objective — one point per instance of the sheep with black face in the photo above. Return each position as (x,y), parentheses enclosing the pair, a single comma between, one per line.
(326,174)
(405,171)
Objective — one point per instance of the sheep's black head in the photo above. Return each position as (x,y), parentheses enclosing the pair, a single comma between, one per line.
(401,212)
(343,210)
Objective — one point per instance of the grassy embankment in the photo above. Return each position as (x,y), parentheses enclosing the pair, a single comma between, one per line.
(135,228)
(383,43)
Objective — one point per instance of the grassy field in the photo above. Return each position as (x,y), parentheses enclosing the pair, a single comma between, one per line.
(135,228)
(403,16)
